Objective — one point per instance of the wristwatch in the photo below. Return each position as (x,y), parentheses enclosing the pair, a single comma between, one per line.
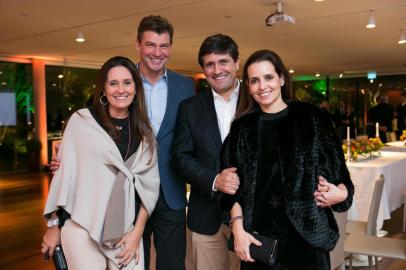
(52,222)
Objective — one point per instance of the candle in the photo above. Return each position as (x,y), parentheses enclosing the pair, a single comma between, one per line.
(348,134)
(377,130)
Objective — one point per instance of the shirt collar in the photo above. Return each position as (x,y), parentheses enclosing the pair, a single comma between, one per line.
(234,93)
(144,79)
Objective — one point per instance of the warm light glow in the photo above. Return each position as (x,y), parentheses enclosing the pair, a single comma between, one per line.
(371,81)
(317,74)
(341,75)
(371,20)
(199,76)
(60,76)
(363,91)
(291,71)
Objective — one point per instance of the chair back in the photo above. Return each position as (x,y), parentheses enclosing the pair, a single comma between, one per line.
(374,208)
(337,255)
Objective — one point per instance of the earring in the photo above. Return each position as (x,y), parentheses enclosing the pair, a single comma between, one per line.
(104,102)
(282,83)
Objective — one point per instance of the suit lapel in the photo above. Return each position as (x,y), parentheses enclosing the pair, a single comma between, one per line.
(209,112)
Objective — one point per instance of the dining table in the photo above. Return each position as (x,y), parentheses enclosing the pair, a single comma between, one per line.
(392,165)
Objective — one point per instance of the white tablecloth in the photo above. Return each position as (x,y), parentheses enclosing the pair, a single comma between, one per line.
(392,165)
(397,146)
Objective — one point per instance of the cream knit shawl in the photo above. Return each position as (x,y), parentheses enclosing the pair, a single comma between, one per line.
(90,162)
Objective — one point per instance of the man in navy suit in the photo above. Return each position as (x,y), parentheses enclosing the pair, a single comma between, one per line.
(203,123)
(164,91)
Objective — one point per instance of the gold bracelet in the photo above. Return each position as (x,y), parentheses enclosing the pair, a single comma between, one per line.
(234,219)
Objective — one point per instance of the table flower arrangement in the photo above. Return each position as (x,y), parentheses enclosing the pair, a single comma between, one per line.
(403,136)
(362,148)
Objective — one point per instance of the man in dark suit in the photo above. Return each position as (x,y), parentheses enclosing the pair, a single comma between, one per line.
(401,115)
(164,91)
(203,123)
(383,114)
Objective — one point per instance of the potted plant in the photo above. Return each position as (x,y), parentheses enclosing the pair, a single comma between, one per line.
(33,147)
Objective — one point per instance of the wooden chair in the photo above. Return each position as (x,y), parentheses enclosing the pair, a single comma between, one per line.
(369,227)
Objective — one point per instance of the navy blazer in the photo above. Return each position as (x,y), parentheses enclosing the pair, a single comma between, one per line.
(196,146)
(174,190)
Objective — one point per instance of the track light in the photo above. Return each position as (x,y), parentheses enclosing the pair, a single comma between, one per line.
(80,37)
(402,39)
(371,20)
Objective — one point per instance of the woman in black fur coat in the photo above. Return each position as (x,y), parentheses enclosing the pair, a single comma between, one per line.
(280,148)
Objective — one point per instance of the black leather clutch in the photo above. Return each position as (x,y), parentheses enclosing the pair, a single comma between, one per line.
(265,254)
(59,259)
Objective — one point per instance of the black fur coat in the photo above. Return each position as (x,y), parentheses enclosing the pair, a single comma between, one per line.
(310,148)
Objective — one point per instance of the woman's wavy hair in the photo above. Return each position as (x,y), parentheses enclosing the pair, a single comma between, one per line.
(139,122)
(247,102)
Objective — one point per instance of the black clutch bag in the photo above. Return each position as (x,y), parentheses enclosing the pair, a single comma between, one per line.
(265,254)
(59,259)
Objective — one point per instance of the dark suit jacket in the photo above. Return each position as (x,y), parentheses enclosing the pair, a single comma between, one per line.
(179,88)
(308,148)
(196,147)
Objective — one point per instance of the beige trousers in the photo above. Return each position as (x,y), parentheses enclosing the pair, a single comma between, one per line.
(210,251)
(82,252)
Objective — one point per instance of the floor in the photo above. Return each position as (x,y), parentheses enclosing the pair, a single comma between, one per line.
(22,198)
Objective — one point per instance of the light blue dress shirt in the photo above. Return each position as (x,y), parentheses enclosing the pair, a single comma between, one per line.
(156,96)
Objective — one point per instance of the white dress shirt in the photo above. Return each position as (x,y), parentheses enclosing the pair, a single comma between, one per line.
(225,110)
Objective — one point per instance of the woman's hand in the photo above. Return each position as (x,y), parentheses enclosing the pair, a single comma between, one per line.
(328,194)
(130,244)
(242,242)
(50,240)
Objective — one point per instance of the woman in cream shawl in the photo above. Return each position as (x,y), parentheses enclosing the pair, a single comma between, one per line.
(108,181)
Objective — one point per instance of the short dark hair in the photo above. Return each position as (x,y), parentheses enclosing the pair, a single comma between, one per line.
(280,68)
(155,23)
(219,44)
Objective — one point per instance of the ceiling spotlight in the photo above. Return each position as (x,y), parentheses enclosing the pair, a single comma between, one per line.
(80,37)
(341,75)
(60,76)
(371,80)
(371,20)
(291,70)
(317,74)
(402,39)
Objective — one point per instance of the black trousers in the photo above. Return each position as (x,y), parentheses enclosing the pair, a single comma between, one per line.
(169,233)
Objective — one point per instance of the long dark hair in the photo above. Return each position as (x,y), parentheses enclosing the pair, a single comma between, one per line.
(138,117)
(247,103)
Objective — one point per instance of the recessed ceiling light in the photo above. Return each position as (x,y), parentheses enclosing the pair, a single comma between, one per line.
(402,38)
(80,37)
(371,20)
(291,70)
(60,76)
